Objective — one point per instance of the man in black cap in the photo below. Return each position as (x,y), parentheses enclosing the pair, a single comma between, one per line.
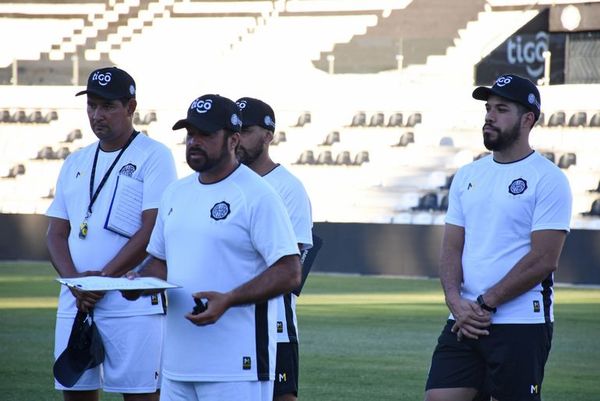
(90,233)
(224,235)
(256,136)
(507,220)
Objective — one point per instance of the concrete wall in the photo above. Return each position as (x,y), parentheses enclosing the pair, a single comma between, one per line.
(390,249)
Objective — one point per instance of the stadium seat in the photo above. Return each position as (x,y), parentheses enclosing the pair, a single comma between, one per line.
(303,119)
(46,153)
(549,155)
(361,157)
(36,117)
(557,119)
(594,209)
(50,194)
(136,118)
(332,137)
(595,120)
(307,157)
(541,120)
(278,138)
(62,153)
(429,202)
(343,159)
(413,119)
(325,158)
(19,117)
(73,135)
(150,117)
(52,115)
(578,119)
(597,189)
(14,171)
(567,160)
(444,203)
(377,120)
(406,138)
(5,116)
(448,182)
(395,120)
(359,119)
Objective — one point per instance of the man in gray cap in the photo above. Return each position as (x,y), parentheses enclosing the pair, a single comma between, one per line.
(507,220)
(86,238)
(224,235)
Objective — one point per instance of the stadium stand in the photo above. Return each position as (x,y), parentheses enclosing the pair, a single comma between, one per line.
(368,137)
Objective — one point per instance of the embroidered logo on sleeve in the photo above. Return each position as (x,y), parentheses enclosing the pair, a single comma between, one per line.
(246,363)
(220,211)
(517,187)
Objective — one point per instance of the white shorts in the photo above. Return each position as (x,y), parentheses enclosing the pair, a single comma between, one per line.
(133,348)
(174,390)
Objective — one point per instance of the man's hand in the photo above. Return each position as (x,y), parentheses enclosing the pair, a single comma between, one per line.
(217,304)
(471,320)
(86,300)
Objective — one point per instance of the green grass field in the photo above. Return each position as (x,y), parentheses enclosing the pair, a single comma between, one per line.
(362,338)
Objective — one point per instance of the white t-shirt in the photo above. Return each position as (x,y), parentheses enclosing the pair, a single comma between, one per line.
(145,160)
(298,206)
(216,237)
(499,206)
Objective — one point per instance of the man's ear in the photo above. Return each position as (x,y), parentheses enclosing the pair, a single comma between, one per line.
(234,141)
(131,106)
(528,119)
(268,137)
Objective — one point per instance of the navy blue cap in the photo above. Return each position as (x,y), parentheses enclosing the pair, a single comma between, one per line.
(85,350)
(110,83)
(210,113)
(256,112)
(514,88)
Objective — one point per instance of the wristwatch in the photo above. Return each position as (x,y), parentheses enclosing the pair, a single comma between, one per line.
(484,306)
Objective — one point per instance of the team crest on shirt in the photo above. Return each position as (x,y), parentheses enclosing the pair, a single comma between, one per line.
(220,211)
(517,187)
(128,169)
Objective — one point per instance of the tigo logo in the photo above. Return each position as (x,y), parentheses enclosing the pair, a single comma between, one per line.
(103,79)
(201,106)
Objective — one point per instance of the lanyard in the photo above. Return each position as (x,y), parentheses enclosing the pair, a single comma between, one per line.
(94,194)
(83,227)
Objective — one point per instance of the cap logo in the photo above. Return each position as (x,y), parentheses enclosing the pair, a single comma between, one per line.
(503,80)
(201,105)
(269,121)
(241,104)
(102,78)
(235,120)
(131,90)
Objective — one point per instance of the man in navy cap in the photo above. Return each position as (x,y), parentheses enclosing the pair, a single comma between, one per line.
(257,134)
(83,241)
(224,235)
(507,220)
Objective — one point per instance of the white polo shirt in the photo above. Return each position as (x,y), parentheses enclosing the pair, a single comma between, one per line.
(499,206)
(145,160)
(298,206)
(216,237)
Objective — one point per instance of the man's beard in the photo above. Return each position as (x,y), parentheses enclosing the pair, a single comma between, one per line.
(206,163)
(249,156)
(503,140)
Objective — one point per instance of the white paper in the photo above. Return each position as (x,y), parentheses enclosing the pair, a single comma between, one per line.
(125,213)
(99,283)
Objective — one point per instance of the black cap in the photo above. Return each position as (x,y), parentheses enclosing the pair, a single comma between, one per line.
(256,112)
(84,351)
(514,88)
(210,113)
(110,83)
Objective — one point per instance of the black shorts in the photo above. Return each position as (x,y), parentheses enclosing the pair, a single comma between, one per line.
(286,369)
(508,363)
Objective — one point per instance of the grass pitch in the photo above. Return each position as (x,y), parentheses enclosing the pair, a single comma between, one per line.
(362,338)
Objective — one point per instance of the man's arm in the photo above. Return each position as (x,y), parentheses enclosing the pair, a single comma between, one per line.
(57,241)
(282,277)
(471,320)
(532,269)
(134,251)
